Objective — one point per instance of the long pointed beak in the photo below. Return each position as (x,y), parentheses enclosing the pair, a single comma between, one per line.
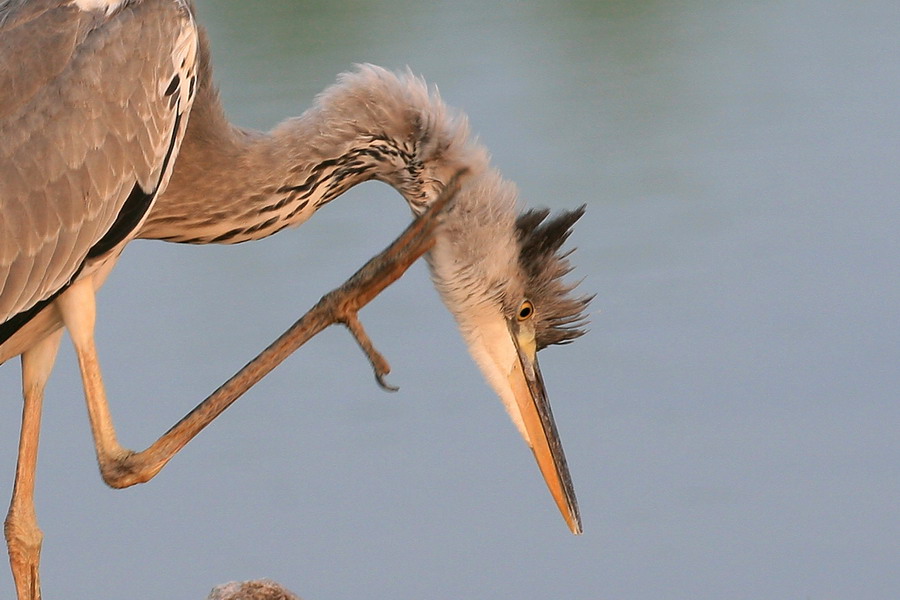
(534,409)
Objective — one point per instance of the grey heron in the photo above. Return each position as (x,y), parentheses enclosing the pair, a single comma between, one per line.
(112,130)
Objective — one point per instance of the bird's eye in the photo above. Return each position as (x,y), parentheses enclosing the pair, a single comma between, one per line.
(526,310)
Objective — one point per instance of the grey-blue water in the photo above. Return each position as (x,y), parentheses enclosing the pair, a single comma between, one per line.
(731,421)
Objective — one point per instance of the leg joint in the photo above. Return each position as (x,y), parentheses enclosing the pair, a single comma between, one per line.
(125,470)
(23,536)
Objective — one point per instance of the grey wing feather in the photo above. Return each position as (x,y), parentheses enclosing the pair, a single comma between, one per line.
(93,107)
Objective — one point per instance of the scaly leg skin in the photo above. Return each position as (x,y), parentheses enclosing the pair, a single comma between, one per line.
(121,467)
(23,536)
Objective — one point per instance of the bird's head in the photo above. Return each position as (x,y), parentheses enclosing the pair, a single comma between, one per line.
(502,277)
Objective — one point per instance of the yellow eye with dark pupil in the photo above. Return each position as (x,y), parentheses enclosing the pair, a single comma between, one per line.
(526,310)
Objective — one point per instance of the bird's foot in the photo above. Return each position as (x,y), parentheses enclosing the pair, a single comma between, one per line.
(384,269)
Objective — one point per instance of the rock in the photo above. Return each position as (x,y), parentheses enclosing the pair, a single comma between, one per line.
(259,589)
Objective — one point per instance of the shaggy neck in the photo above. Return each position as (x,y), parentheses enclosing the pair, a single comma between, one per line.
(231,185)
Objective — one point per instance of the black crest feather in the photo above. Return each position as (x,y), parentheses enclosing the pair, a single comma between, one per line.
(559,313)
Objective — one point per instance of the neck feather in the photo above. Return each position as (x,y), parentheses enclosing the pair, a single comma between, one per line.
(230,185)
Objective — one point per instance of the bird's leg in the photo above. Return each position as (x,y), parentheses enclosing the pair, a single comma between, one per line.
(23,536)
(122,468)
(383,270)
(78,309)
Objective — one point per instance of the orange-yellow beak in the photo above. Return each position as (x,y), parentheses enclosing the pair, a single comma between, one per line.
(506,352)
(540,432)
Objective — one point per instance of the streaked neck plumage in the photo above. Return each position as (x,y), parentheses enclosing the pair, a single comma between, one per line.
(231,185)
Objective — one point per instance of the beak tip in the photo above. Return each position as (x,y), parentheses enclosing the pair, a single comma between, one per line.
(573,520)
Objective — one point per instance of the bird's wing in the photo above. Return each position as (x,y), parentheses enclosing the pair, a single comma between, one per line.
(93,107)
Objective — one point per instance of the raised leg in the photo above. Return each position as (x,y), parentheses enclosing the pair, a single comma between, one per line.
(23,536)
(121,467)
(78,309)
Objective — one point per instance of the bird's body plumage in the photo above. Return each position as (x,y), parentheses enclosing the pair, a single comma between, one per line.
(91,124)
(114,130)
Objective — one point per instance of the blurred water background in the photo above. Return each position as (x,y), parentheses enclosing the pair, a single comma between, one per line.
(731,420)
